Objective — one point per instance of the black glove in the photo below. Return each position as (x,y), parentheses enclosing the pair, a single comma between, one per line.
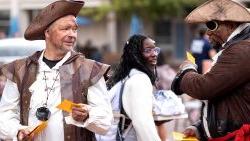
(185,67)
(175,86)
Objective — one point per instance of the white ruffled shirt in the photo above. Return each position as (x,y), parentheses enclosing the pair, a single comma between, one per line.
(100,112)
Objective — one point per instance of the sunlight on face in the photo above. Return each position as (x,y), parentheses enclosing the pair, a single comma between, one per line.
(150,52)
(62,34)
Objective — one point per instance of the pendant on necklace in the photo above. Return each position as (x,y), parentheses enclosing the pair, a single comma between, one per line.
(43,113)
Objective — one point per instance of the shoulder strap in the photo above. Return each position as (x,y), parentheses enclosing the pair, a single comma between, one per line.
(122,111)
(123,116)
(123,122)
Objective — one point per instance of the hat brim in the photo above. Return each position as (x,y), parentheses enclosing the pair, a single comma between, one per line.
(48,15)
(220,10)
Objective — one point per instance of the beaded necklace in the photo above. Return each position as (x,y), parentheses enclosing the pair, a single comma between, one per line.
(43,113)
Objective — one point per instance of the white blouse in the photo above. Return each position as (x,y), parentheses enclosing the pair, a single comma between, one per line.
(137,99)
(138,104)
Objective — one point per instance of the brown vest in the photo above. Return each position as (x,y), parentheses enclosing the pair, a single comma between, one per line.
(76,75)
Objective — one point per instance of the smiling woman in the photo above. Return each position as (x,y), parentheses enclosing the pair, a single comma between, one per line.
(131,92)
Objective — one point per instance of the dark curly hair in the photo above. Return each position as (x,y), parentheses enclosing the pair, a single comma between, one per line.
(132,57)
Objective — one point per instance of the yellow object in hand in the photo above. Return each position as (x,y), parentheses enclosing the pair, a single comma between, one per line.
(38,129)
(181,137)
(67,105)
(190,57)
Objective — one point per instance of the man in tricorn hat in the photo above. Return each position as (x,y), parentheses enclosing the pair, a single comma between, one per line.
(225,89)
(36,85)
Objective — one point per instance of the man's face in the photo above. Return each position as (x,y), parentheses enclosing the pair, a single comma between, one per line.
(150,52)
(62,34)
(219,35)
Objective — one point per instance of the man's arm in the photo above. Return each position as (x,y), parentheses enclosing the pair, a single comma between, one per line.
(9,111)
(230,71)
(99,111)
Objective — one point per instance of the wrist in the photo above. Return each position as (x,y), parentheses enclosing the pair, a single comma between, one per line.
(175,86)
(188,67)
(195,129)
(86,117)
(18,133)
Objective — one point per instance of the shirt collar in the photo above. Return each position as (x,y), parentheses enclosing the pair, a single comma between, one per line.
(239,29)
(44,67)
(215,57)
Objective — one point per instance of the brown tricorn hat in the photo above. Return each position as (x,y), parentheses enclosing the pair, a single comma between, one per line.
(220,10)
(48,15)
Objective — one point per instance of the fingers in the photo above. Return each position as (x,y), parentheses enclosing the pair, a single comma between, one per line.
(31,136)
(80,108)
(80,118)
(80,113)
(23,135)
(185,63)
(189,132)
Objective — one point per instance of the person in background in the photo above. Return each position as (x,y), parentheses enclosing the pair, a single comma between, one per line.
(225,88)
(36,85)
(165,76)
(136,72)
(2,35)
(201,50)
(90,51)
(165,73)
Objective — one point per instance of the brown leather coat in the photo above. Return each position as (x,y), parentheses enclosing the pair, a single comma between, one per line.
(76,75)
(226,87)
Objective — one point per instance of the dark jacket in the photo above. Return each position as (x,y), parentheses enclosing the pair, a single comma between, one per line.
(226,87)
(76,75)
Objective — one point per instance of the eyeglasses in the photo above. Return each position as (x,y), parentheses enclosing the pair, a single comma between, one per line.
(212,25)
(150,50)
